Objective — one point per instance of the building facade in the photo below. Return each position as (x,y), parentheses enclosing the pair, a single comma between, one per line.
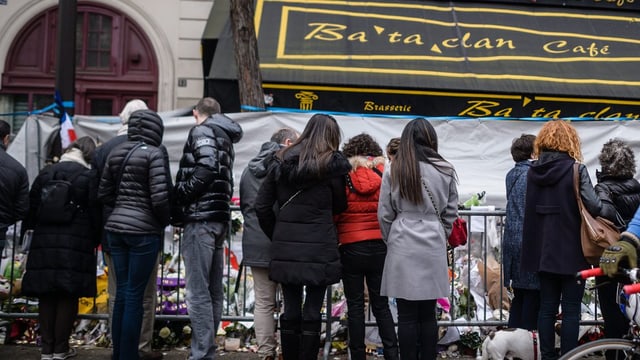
(125,49)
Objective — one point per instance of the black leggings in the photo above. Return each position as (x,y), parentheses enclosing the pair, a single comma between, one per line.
(57,314)
(417,329)
(298,309)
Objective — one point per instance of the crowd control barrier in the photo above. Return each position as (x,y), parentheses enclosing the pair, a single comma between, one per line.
(478,297)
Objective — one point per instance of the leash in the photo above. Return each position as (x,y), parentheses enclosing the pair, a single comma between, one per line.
(534,336)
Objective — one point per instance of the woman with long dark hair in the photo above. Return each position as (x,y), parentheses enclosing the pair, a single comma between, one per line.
(418,204)
(307,185)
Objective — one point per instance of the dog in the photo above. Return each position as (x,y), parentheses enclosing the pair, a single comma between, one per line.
(520,343)
(511,343)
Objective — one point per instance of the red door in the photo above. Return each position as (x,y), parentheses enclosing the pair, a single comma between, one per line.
(115,62)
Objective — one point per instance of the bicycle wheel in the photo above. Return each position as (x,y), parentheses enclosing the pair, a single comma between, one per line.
(617,349)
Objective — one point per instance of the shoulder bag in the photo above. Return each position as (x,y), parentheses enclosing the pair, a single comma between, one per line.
(596,234)
(124,163)
(458,234)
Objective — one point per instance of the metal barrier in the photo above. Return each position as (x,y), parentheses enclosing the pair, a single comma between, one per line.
(477,297)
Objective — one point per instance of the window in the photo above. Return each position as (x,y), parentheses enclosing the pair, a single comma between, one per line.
(101,107)
(93,41)
(114,62)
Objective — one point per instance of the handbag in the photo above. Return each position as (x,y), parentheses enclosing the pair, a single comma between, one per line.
(596,234)
(458,234)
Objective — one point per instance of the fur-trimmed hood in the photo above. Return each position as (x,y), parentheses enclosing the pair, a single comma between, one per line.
(363,179)
(365,161)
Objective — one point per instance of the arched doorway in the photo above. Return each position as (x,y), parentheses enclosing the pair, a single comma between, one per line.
(115,63)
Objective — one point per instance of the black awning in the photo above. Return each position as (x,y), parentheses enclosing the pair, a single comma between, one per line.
(429,49)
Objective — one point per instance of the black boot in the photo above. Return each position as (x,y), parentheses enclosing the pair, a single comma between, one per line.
(387,332)
(408,338)
(290,336)
(310,340)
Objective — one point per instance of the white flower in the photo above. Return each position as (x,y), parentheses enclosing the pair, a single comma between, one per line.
(164,332)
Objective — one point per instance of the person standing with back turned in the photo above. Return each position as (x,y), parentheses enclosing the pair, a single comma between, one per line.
(525,304)
(362,250)
(620,195)
(150,297)
(551,232)
(255,244)
(61,266)
(136,183)
(14,192)
(307,184)
(204,186)
(417,207)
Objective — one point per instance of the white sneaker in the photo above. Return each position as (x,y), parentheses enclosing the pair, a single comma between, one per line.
(62,356)
(46,357)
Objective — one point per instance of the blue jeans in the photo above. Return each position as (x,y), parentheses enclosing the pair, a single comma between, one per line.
(203,253)
(134,257)
(555,290)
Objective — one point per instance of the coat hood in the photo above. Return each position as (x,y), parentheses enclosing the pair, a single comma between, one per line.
(259,165)
(230,127)
(550,168)
(146,126)
(363,179)
(289,171)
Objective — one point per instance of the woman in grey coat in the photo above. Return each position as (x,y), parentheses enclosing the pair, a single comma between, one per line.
(416,210)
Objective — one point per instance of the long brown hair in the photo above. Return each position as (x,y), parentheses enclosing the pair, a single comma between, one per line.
(418,143)
(317,143)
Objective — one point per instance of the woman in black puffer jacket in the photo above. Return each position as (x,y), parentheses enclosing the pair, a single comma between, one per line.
(61,267)
(136,181)
(620,195)
(307,184)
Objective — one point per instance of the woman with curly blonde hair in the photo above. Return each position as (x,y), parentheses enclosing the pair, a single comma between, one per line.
(551,232)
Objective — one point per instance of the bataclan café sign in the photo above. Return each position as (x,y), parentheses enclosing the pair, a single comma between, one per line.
(438,59)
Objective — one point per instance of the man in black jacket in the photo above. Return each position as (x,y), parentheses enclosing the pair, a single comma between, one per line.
(14,192)
(203,190)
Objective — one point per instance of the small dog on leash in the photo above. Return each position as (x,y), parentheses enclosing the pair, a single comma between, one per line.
(511,343)
(520,343)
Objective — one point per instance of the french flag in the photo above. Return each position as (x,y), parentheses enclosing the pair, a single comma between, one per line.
(67,132)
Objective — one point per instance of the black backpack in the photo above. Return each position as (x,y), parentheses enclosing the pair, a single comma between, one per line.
(57,204)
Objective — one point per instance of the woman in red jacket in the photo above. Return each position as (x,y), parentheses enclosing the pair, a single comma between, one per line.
(362,250)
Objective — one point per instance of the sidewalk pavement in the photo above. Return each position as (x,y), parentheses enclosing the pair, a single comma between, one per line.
(32,352)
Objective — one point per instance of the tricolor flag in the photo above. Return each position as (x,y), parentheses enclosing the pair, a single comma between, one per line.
(67,132)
